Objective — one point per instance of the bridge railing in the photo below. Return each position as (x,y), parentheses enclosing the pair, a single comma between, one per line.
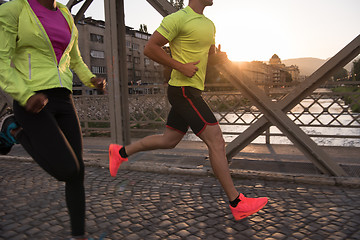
(330,115)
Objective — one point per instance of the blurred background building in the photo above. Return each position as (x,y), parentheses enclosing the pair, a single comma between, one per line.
(92,44)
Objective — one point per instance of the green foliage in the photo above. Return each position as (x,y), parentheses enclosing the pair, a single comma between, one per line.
(341,75)
(288,77)
(143,28)
(353,100)
(178,4)
(356,70)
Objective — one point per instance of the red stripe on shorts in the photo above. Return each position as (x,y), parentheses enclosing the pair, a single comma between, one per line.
(193,106)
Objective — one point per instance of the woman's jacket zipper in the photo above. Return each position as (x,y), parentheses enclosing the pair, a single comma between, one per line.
(50,46)
(29,56)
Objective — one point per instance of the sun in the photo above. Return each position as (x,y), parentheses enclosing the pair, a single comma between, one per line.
(252,34)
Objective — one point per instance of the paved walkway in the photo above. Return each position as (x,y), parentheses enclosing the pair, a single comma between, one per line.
(150,199)
(139,205)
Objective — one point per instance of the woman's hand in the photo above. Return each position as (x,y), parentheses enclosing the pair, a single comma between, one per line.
(36,103)
(99,83)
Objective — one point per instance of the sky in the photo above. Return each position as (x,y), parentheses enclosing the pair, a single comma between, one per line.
(251,30)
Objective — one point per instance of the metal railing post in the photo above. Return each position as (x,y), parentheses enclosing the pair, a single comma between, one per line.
(117,71)
(162,6)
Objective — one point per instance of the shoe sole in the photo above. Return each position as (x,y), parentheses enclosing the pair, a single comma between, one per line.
(251,213)
(111,159)
(4,120)
(5,124)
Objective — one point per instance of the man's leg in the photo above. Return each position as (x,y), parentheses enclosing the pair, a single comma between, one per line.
(240,205)
(212,136)
(119,154)
(169,139)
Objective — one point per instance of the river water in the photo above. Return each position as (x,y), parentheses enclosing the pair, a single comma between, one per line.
(327,123)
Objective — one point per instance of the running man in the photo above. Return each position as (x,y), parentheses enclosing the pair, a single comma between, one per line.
(192,42)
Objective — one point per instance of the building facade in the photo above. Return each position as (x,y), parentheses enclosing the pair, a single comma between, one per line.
(92,44)
(92,47)
(141,69)
(259,72)
(282,73)
(274,73)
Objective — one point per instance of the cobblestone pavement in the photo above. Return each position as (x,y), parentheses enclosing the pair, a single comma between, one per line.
(140,205)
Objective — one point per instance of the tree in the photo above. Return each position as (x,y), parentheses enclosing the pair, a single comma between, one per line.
(356,70)
(288,77)
(143,28)
(178,4)
(341,75)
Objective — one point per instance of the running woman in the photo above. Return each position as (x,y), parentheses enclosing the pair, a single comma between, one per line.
(191,36)
(39,45)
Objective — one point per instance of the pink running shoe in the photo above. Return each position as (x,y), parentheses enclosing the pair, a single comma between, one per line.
(247,206)
(115,160)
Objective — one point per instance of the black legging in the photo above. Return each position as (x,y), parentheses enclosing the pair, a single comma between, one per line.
(53,139)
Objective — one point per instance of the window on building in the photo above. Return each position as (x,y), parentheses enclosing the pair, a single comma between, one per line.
(128,44)
(146,61)
(98,70)
(128,58)
(137,60)
(147,74)
(96,38)
(97,54)
(137,73)
(141,35)
(138,35)
(135,46)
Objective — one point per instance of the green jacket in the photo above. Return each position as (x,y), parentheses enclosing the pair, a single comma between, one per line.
(27,59)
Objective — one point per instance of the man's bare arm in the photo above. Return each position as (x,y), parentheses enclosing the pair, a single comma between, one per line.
(153,50)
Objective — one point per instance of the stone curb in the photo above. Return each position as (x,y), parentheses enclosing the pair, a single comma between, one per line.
(164,168)
(351,182)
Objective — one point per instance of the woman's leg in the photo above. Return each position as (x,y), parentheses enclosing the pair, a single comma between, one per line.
(69,124)
(54,142)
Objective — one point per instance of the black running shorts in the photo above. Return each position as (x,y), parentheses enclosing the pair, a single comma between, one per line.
(188,109)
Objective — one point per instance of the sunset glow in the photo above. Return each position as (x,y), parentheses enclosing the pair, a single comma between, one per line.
(257,29)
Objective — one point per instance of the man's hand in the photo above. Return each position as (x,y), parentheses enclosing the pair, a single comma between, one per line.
(189,69)
(99,83)
(36,103)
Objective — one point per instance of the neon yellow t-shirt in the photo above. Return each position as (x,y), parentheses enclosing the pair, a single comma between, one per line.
(190,36)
